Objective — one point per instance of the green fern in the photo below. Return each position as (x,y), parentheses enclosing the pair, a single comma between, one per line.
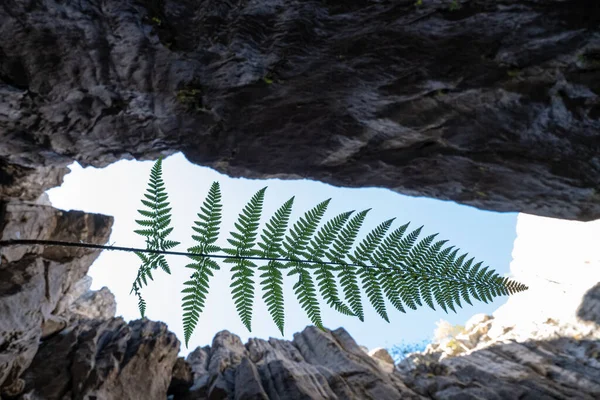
(369,275)
(393,267)
(207,233)
(155,229)
(295,245)
(340,250)
(272,238)
(243,270)
(323,273)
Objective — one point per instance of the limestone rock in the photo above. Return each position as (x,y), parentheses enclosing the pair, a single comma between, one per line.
(381,354)
(315,365)
(493,104)
(107,359)
(35,280)
(94,304)
(589,310)
(384,359)
(560,368)
(181,378)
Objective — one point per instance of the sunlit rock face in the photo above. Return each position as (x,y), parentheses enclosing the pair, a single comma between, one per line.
(315,365)
(543,343)
(560,262)
(492,104)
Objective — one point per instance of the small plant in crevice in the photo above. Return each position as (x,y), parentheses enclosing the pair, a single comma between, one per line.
(454,5)
(191,98)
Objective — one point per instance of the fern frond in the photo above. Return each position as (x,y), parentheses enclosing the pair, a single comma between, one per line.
(155,229)
(369,274)
(408,291)
(295,244)
(243,270)
(341,248)
(206,230)
(389,276)
(317,250)
(272,238)
(396,267)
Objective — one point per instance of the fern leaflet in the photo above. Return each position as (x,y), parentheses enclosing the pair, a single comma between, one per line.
(295,245)
(272,238)
(206,234)
(155,228)
(243,270)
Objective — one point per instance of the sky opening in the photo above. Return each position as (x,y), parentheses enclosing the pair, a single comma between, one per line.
(117,189)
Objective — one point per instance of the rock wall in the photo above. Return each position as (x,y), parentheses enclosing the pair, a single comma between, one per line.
(35,281)
(492,103)
(543,343)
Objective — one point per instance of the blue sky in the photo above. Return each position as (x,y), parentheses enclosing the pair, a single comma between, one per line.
(117,190)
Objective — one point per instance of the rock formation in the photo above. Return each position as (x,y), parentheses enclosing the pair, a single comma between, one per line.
(62,341)
(560,360)
(490,103)
(35,281)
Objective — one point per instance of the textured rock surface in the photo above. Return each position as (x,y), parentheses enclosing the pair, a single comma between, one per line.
(107,359)
(558,361)
(36,282)
(315,365)
(541,344)
(318,365)
(59,339)
(496,104)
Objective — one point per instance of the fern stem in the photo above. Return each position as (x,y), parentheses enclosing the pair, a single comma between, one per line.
(17,242)
(412,272)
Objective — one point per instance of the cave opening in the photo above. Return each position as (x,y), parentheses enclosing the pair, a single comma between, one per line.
(117,189)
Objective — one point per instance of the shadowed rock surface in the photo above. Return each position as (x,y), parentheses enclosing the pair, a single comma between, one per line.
(494,104)
(104,359)
(36,282)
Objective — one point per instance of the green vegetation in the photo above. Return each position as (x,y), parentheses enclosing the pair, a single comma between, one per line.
(396,266)
(454,5)
(191,98)
(589,60)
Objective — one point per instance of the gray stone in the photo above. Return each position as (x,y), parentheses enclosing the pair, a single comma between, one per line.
(589,310)
(495,104)
(315,365)
(248,382)
(107,359)
(35,280)
(381,354)
(181,378)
